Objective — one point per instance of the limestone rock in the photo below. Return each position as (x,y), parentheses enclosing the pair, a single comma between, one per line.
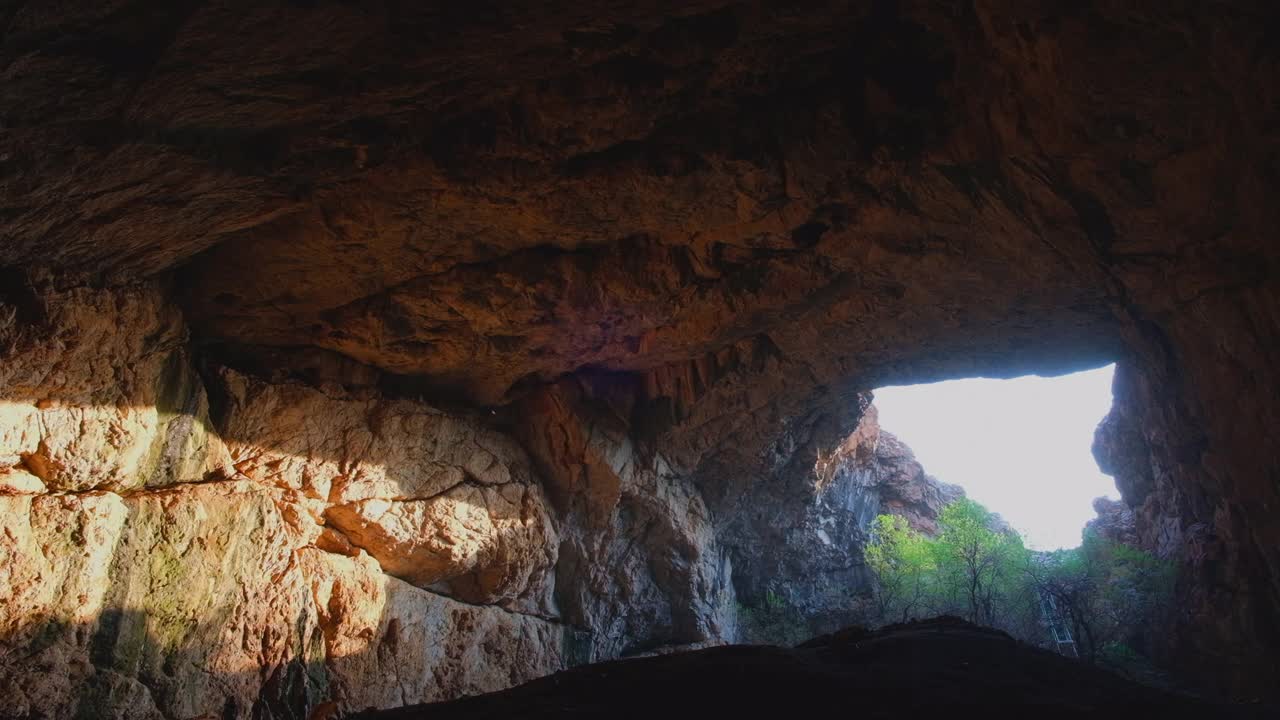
(905,489)
(159,604)
(640,563)
(100,393)
(205,598)
(145,577)
(743,215)
(1122,452)
(388,643)
(484,544)
(438,500)
(797,551)
(1115,522)
(343,447)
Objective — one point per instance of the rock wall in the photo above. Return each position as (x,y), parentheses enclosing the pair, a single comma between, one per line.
(1184,482)
(157,562)
(183,538)
(747,213)
(797,551)
(640,564)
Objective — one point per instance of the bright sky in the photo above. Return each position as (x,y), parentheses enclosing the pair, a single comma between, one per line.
(1020,446)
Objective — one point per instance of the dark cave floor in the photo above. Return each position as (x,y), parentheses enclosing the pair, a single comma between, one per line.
(903,671)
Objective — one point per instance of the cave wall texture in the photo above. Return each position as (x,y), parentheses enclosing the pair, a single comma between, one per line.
(373,353)
(182,538)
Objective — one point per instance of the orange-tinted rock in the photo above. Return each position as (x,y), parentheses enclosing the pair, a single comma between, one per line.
(387,642)
(482,544)
(101,394)
(180,587)
(744,215)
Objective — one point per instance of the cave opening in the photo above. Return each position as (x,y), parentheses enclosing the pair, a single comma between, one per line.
(363,355)
(1020,446)
(981,498)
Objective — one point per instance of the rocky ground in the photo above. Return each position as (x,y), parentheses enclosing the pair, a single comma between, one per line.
(935,668)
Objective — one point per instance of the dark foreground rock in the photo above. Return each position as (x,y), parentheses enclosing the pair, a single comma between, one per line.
(903,671)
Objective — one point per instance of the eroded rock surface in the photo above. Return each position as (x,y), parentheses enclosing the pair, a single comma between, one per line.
(798,545)
(155,570)
(746,215)
(386,642)
(438,500)
(322,547)
(99,392)
(640,564)
(1171,476)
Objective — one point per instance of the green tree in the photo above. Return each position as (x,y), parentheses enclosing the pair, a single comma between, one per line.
(903,562)
(1109,593)
(978,563)
(1106,593)
(969,569)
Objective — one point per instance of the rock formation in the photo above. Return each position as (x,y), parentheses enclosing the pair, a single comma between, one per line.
(291,291)
(921,669)
(181,538)
(154,567)
(1115,522)
(797,550)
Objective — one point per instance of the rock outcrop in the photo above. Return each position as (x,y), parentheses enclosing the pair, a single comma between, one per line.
(797,551)
(1169,475)
(687,237)
(1115,522)
(437,500)
(640,565)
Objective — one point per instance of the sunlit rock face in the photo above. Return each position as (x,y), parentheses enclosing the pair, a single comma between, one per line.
(721,224)
(436,499)
(319,546)
(157,564)
(101,394)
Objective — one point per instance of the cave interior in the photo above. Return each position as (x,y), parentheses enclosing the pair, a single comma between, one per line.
(359,355)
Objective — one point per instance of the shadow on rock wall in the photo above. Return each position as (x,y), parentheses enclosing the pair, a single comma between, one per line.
(207,600)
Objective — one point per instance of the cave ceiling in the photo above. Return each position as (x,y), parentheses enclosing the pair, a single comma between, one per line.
(486,197)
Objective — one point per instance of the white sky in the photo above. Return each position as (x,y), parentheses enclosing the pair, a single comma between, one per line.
(1020,446)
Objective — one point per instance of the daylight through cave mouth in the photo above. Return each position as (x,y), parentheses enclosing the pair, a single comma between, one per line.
(1019,446)
(361,355)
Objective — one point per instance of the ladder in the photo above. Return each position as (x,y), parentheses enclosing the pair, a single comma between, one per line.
(1058,630)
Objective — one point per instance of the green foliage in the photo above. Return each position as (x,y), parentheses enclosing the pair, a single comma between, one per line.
(903,561)
(969,569)
(980,565)
(1119,654)
(1108,592)
(1101,592)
